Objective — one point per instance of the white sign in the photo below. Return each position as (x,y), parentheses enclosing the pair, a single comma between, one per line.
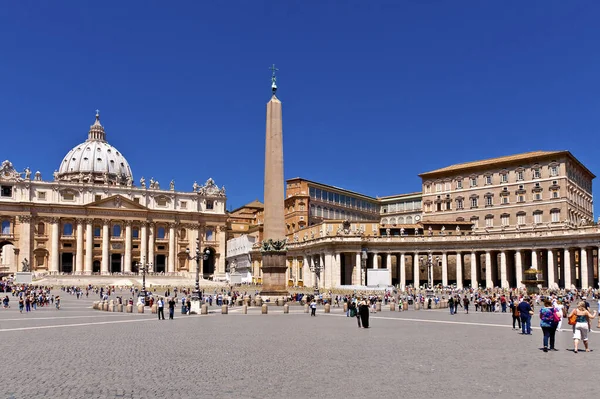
(379,277)
(23,278)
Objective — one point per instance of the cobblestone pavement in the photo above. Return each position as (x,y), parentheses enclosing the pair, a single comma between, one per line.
(77,352)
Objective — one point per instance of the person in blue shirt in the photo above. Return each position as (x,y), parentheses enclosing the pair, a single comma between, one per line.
(524,309)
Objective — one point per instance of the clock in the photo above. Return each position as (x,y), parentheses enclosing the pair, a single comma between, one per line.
(417,218)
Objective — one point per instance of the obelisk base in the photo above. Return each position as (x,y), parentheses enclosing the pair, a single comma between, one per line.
(274,269)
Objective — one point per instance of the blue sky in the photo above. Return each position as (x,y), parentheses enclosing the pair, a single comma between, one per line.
(373,92)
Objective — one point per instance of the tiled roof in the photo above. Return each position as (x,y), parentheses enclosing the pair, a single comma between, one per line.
(494,161)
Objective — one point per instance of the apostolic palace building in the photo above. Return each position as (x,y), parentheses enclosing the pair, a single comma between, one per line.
(90,218)
(474,224)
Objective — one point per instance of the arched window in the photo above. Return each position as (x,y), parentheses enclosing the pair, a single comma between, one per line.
(392,220)
(160,233)
(67,229)
(182,234)
(97,231)
(209,234)
(117,230)
(384,221)
(326,213)
(135,232)
(409,220)
(400,219)
(41,228)
(6,227)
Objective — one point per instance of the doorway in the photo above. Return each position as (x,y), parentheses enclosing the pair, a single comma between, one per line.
(115,263)
(66,262)
(161,264)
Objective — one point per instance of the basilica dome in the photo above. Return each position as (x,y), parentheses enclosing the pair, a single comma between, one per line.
(95,161)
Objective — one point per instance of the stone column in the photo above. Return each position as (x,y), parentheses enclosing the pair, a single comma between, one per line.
(583,268)
(322,276)
(488,270)
(144,243)
(171,261)
(459,273)
(474,281)
(151,236)
(551,274)
(402,271)
(222,232)
(444,269)
(416,277)
(519,268)
(127,258)
(79,254)
(25,241)
(336,270)
(375,260)
(503,273)
(105,246)
(54,247)
(388,261)
(567,267)
(89,247)
(356,274)
(328,259)
(534,259)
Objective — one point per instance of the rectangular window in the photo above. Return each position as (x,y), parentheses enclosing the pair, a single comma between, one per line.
(438,187)
(520,175)
(504,220)
(520,219)
(183,204)
(555,194)
(537,218)
(336,198)
(459,184)
(136,200)
(505,200)
(353,203)
(459,204)
(97,198)
(488,201)
(536,174)
(473,182)
(488,180)
(537,196)
(554,171)
(329,196)
(209,204)
(318,193)
(521,198)
(473,202)
(209,234)
(68,196)
(41,195)
(447,186)
(504,178)
(489,222)
(97,231)
(555,216)
(311,192)
(6,191)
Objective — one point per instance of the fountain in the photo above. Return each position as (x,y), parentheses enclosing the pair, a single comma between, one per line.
(531,280)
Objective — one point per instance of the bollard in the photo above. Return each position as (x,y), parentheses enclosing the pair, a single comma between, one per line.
(417,306)
(245,309)
(280,301)
(224,309)
(405,306)
(327,308)
(154,309)
(113,308)
(392,307)
(95,305)
(258,300)
(286,308)
(140,308)
(204,309)
(303,301)
(264,309)
(345,307)
(378,306)
(105,306)
(306,308)
(129,308)
(120,307)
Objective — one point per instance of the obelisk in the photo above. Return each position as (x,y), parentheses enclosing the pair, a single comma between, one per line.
(273,248)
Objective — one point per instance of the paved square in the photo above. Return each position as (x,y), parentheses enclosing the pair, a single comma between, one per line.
(78,352)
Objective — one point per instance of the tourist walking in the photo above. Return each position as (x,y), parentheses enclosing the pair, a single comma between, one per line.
(549,318)
(466,304)
(363,310)
(525,312)
(580,329)
(313,307)
(561,310)
(451,305)
(171,308)
(161,309)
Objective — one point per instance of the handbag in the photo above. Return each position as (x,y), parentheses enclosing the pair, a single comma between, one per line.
(573,319)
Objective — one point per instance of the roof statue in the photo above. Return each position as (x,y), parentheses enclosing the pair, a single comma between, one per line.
(8,172)
(210,189)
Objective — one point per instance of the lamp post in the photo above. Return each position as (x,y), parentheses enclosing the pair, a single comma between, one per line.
(316,267)
(363,266)
(144,268)
(195,302)
(427,263)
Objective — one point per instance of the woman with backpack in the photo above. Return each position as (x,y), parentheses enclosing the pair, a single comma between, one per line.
(549,318)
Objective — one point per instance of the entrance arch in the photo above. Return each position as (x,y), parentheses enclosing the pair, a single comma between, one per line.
(208,266)
(8,257)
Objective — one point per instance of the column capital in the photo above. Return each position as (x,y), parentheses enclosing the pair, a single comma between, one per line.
(173,225)
(128,223)
(54,220)
(80,221)
(106,222)
(25,218)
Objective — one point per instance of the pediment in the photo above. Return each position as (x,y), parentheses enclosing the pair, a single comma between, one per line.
(117,202)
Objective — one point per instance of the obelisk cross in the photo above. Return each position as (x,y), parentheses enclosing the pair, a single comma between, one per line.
(273,78)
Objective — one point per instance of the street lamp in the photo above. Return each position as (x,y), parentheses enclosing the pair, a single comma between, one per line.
(428,263)
(195,302)
(144,268)
(363,265)
(316,267)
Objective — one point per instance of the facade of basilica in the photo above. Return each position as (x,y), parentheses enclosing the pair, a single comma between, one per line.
(92,219)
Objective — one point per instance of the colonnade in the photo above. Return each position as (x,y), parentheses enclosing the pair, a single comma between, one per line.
(558,267)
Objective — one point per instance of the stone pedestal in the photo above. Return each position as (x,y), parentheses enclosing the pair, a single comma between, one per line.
(274,268)
(224,309)
(195,306)
(404,305)
(378,306)
(120,307)
(417,306)
(105,306)
(327,308)
(280,301)
(286,308)
(154,309)
(264,309)
(258,300)
(129,308)
(204,309)
(140,308)
(392,307)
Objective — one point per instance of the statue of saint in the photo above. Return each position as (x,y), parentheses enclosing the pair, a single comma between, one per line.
(172,185)
(401,231)
(55,174)
(143,182)
(195,186)
(27,173)
(38,176)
